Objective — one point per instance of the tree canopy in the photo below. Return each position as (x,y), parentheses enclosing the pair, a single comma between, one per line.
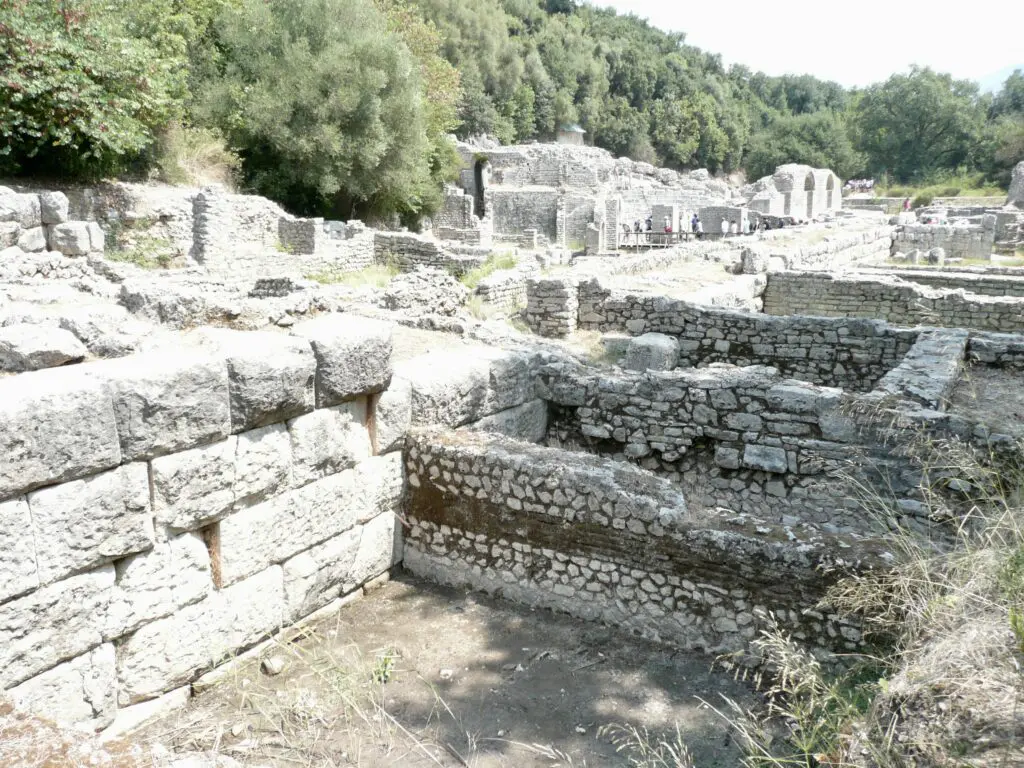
(343,107)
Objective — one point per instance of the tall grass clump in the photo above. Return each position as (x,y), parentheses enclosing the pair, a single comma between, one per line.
(195,157)
(494,263)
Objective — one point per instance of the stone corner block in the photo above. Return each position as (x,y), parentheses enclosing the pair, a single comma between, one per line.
(53,207)
(652,352)
(353,356)
(71,238)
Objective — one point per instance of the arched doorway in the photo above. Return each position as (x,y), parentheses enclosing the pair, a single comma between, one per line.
(809,189)
(830,189)
(481,175)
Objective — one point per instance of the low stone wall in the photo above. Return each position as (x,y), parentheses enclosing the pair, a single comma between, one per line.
(837,250)
(891,299)
(986,281)
(849,354)
(959,242)
(37,222)
(506,289)
(407,251)
(161,512)
(607,541)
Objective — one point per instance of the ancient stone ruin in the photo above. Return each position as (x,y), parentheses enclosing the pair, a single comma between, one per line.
(204,452)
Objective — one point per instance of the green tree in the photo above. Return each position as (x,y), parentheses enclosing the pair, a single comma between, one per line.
(83,93)
(915,124)
(324,105)
(1010,100)
(819,139)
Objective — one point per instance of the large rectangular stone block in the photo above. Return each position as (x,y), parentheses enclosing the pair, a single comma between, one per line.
(263,464)
(80,691)
(167,401)
(194,487)
(53,624)
(270,375)
(17,550)
(271,532)
(173,574)
(458,387)
(87,522)
(314,578)
(528,422)
(55,425)
(169,652)
(353,356)
(329,440)
(393,415)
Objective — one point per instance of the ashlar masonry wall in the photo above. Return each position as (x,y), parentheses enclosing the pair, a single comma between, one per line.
(160,512)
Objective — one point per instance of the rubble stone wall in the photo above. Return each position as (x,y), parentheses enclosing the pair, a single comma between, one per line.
(745,439)
(837,250)
(891,299)
(852,354)
(407,251)
(971,242)
(607,541)
(998,281)
(159,513)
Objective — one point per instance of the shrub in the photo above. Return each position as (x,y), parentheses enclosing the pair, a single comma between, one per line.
(922,200)
(82,95)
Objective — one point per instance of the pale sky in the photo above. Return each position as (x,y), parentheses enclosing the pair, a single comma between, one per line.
(854,43)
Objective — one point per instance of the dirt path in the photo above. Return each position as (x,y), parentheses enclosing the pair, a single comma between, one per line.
(418,675)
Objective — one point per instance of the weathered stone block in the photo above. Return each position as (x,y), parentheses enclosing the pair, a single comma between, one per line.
(53,207)
(315,577)
(71,238)
(169,652)
(107,330)
(32,240)
(329,440)
(458,387)
(22,209)
(270,376)
(17,550)
(84,523)
(727,458)
(55,425)
(97,240)
(263,464)
(32,347)
(393,415)
(353,356)
(766,458)
(380,547)
(10,233)
(167,402)
(280,528)
(76,692)
(528,422)
(154,584)
(52,624)
(194,487)
(652,352)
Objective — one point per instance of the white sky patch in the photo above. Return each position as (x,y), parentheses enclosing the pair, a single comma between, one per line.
(854,44)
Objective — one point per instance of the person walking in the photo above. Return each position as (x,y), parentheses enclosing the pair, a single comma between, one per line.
(698,228)
(725,227)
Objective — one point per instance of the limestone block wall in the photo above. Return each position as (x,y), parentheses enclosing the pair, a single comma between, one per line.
(606,541)
(852,354)
(162,512)
(37,222)
(985,281)
(960,242)
(514,209)
(891,299)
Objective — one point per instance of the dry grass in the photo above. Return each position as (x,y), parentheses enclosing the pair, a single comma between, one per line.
(375,276)
(195,157)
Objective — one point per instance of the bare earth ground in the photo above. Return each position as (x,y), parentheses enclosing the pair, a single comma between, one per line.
(993,396)
(418,675)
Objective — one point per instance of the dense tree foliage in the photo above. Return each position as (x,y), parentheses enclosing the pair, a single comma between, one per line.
(343,107)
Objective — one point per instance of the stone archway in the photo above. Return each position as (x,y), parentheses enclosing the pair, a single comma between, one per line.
(830,189)
(481,175)
(809,189)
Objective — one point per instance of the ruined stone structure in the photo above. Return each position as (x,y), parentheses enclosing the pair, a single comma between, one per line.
(174,496)
(796,190)
(561,190)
